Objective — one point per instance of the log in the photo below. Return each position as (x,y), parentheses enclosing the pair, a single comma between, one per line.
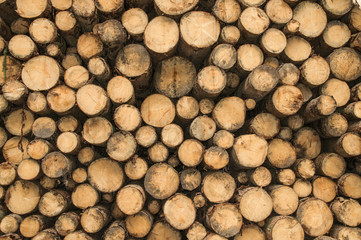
(94,219)
(62,99)
(158,152)
(67,223)
(308,71)
(22,47)
(285,133)
(348,185)
(281,154)
(210,82)
(71,59)
(250,231)
(302,187)
(165,230)
(229,113)
(130,199)
(261,177)
(10,69)
(215,158)
(78,234)
(43,31)
(146,136)
(289,74)
(218,187)
(85,12)
(352,110)
(347,211)
(179,211)
(173,9)
(227,11)
(190,152)
(85,189)
(215,215)
(252,22)
(199,200)
(273,41)
(29,169)
(53,203)
(303,139)
(196,231)
(79,175)
(223,139)
(32,225)
(135,21)
(20,26)
(230,34)
(249,56)
(356,93)
(333,125)
(174,77)
(140,224)
(297,49)
(279,227)
(304,168)
(127,117)
(136,168)
(286,176)
(342,232)
(10,223)
(190,179)
(19,122)
(187,108)
(338,89)
(68,123)
(338,9)
(284,198)
(314,226)
(206,106)
(14,92)
(99,68)
(29,9)
(335,35)
(44,127)
(324,188)
(278,11)
(331,165)
(172,135)
(347,70)
(76,77)
(15,150)
(8,174)
(68,142)
(99,103)
(49,233)
(61,4)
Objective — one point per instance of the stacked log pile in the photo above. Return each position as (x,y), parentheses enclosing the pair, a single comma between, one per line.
(180,119)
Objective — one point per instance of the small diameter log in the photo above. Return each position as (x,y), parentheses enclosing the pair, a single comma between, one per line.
(265,125)
(48,183)
(349,185)
(295,122)
(227,11)
(190,179)
(302,187)
(223,139)
(206,106)
(218,187)
(303,139)
(273,41)
(278,11)
(78,199)
(315,71)
(10,223)
(89,45)
(281,154)
(98,104)
(55,165)
(230,34)
(135,20)
(85,13)
(324,188)
(304,168)
(127,117)
(331,165)
(130,199)
(19,122)
(289,74)
(199,31)
(29,169)
(61,99)
(179,211)
(336,9)
(53,203)
(44,127)
(172,135)
(297,49)
(120,90)
(347,211)
(286,176)
(249,151)
(98,67)
(190,152)
(210,82)
(338,89)
(78,234)
(20,26)
(34,75)
(284,198)
(7,174)
(97,130)
(250,232)
(68,26)
(76,77)
(135,168)
(158,152)
(67,223)
(259,83)
(215,158)
(43,31)
(285,101)
(28,193)
(157,110)
(318,108)
(165,230)
(154,206)
(15,92)
(105,175)
(285,133)
(253,22)
(284,227)
(71,59)
(249,199)
(173,161)
(134,62)
(172,9)
(15,150)
(61,4)
(249,56)
(22,47)
(187,108)
(32,225)
(333,125)
(312,19)
(161,37)
(348,145)
(79,175)
(202,128)
(216,215)
(174,77)
(12,69)
(146,136)
(345,63)
(315,217)
(28,9)
(68,123)
(116,230)
(196,231)
(161,181)
(68,142)
(261,177)
(139,224)
(94,219)
(335,35)
(229,113)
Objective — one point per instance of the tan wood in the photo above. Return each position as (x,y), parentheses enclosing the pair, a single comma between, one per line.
(347,70)
(165,230)
(229,113)
(190,152)
(331,165)
(223,139)
(249,56)
(68,142)
(206,106)
(154,206)
(79,175)
(353,110)
(61,4)
(356,92)
(78,234)
(49,233)
(281,153)
(43,31)
(78,196)
(202,128)
(347,211)
(354,18)
(116,230)
(343,232)
(139,224)
(94,219)
(324,188)
(261,177)
(179,211)
(146,136)
(265,125)
(67,223)
(44,127)
(29,169)
(89,45)
(303,139)
(157,110)
(30,9)
(71,59)
(273,41)
(302,187)
(348,185)
(85,12)
(190,179)
(336,34)
(289,74)
(7,174)
(227,11)
(172,135)
(15,150)
(53,203)
(127,117)
(136,168)
(175,9)
(304,168)
(230,34)
(348,145)
(98,104)
(286,176)
(121,146)
(196,231)
(61,99)
(76,77)
(68,123)
(333,125)
(55,165)
(278,11)
(22,47)
(297,49)
(315,71)
(19,122)
(253,22)
(12,69)
(337,9)
(32,225)
(14,91)
(3,137)
(130,199)
(120,90)
(218,187)
(20,26)
(210,82)
(283,227)
(215,158)
(158,152)
(135,21)
(98,67)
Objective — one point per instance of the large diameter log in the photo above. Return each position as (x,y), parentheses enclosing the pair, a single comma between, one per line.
(252,22)
(249,199)
(216,215)
(333,125)
(218,187)
(315,71)
(29,169)
(284,227)
(19,122)
(345,64)
(165,230)
(304,168)
(349,185)
(179,211)
(30,9)
(99,102)
(312,18)
(199,31)
(190,152)
(157,110)
(306,215)
(278,11)
(78,234)
(28,193)
(348,145)
(32,225)
(61,4)
(347,211)
(335,35)
(158,152)
(161,181)
(173,9)
(249,151)
(43,31)
(331,165)
(174,77)
(146,136)
(259,83)
(265,125)
(36,78)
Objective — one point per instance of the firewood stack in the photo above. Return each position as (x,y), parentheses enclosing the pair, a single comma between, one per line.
(180,119)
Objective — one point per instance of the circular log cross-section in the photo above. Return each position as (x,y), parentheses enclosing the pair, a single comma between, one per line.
(218,187)
(179,211)
(157,110)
